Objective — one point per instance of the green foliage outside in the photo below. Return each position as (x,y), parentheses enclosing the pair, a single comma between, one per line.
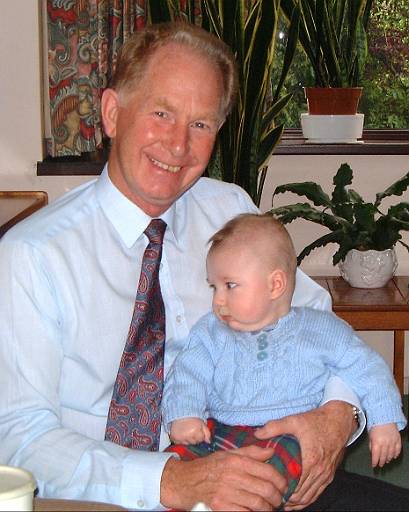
(386,79)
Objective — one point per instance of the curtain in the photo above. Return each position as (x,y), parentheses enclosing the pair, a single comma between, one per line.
(83,38)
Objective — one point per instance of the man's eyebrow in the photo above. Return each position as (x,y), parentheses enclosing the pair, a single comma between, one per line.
(163,103)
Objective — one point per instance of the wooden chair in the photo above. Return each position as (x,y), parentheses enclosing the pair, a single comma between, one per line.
(17,205)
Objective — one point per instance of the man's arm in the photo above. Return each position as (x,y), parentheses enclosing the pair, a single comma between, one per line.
(66,462)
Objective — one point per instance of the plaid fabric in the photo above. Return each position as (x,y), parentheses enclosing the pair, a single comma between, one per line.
(286,458)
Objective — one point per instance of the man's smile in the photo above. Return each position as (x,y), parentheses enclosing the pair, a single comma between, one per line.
(171,168)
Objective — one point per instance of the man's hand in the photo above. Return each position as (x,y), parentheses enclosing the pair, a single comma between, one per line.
(226,480)
(322,434)
(189,431)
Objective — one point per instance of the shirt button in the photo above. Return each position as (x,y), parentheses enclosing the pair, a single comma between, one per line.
(140,503)
(179,319)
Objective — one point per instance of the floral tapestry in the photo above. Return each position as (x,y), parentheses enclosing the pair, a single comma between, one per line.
(83,41)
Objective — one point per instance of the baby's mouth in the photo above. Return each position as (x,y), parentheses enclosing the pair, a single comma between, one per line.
(171,168)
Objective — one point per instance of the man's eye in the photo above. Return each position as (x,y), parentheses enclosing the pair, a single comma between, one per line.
(231,285)
(200,124)
(159,113)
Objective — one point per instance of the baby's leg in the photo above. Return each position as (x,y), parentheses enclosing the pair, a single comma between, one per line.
(287,453)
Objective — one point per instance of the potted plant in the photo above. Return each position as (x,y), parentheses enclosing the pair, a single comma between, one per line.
(357,226)
(333,36)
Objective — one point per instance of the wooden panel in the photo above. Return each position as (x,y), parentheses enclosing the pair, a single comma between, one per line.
(17,205)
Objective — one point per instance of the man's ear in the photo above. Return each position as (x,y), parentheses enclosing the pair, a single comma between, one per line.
(109,111)
(278,283)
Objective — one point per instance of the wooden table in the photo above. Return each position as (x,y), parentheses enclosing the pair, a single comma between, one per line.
(54,505)
(17,205)
(374,309)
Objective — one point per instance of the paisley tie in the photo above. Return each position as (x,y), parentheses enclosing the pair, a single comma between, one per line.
(134,416)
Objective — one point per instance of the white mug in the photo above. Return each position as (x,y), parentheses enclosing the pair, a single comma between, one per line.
(16,489)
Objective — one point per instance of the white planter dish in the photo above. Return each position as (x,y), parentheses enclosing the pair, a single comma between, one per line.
(332,129)
(368,269)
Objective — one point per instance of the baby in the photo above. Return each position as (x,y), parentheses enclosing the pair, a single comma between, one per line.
(255,358)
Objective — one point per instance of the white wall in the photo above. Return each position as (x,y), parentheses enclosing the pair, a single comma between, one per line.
(20,102)
(21,143)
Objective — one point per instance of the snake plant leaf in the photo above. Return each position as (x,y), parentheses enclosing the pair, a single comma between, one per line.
(289,53)
(268,143)
(396,189)
(213,18)
(161,11)
(333,36)
(309,189)
(273,111)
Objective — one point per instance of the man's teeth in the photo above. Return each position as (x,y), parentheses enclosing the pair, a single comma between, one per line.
(170,168)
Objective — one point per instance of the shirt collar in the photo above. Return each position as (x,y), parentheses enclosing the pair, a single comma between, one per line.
(128,219)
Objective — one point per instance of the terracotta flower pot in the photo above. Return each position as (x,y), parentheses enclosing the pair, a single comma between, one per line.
(332,100)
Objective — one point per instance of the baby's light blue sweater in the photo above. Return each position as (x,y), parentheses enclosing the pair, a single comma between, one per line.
(249,378)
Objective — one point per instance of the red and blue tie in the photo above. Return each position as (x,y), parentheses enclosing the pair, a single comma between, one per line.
(134,416)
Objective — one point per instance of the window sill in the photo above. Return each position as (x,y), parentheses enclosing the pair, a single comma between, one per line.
(375,142)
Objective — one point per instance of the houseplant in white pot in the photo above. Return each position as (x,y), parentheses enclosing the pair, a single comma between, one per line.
(363,232)
(333,36)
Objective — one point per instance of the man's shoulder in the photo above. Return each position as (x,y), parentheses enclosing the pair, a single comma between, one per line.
(57,216)
(212,188)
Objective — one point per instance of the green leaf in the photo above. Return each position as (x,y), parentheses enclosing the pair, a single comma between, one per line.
(396,189)
(309,189)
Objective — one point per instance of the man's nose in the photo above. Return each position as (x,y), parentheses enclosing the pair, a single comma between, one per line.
(178,140)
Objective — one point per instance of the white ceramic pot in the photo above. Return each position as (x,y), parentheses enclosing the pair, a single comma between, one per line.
(332,129)
(368,269)
(16,489)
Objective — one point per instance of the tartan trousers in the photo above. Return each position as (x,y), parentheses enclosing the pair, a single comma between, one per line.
(286,458)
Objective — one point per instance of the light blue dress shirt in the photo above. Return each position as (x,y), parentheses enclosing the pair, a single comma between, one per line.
(68,278)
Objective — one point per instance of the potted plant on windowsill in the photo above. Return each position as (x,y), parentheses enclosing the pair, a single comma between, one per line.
(360,228)
(333,36)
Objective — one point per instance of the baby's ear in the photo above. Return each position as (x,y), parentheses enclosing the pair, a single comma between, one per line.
(278,283)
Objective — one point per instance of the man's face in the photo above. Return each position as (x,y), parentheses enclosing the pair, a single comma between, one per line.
(163,133)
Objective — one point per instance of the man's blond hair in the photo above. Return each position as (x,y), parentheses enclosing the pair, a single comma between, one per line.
(138,50)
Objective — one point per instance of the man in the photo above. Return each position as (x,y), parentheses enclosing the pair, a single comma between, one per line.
(69,276)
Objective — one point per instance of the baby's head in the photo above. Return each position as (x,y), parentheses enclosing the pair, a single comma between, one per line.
(251,267)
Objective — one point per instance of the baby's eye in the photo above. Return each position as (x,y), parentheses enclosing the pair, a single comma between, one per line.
(231,285)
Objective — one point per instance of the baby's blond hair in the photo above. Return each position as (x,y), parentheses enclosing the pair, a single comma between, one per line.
(266,235)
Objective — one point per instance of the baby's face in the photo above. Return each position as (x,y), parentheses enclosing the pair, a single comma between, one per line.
(241,288)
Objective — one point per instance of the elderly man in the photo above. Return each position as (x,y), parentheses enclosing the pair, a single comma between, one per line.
(69,276)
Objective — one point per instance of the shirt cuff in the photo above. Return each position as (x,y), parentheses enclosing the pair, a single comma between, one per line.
(336,389)
(141,477)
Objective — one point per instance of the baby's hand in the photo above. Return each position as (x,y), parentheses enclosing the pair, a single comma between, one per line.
(189,431)
(385,443)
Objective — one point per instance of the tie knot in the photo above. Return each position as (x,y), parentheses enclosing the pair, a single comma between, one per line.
(155,231)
